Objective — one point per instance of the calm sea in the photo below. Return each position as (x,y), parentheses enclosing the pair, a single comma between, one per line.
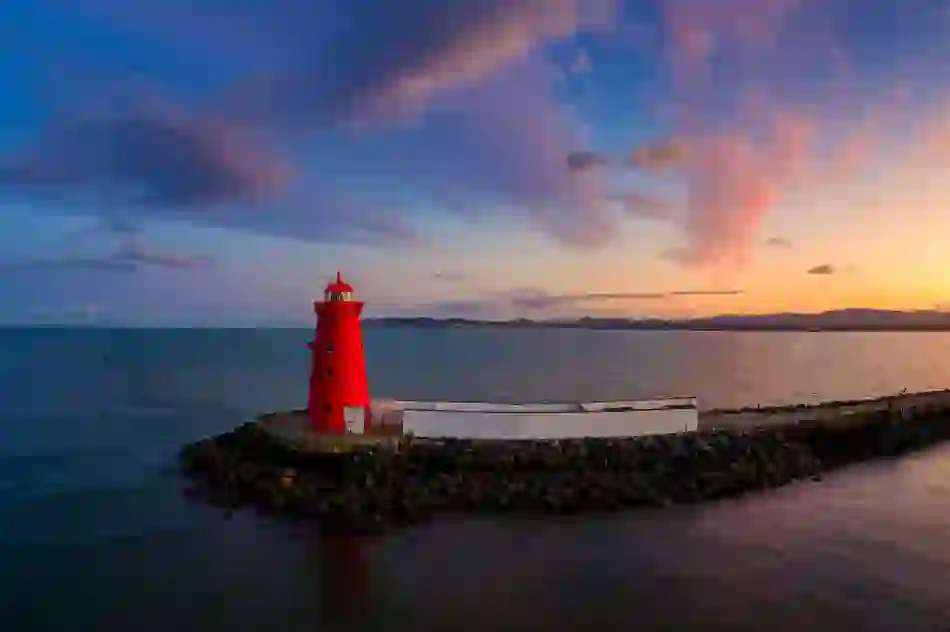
(96,535)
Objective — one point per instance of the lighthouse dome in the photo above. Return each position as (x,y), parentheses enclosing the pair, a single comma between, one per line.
(339,290)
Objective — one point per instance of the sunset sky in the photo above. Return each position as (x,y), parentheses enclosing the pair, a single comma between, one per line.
(214,162)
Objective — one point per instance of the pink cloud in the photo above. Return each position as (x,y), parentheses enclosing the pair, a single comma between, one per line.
(734,179)
(738,165)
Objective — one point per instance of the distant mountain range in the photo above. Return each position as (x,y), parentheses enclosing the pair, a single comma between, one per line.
(838,320)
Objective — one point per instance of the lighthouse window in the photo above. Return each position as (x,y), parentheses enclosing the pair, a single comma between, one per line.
(329,372)
(326,408)
(339,296)
(329,348)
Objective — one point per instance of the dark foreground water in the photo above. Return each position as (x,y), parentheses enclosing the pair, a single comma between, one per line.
(96,535)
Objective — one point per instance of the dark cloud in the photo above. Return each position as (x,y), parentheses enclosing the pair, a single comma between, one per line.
(175,165)
(132,256)
(823,270)
(779,242)
(579,161)
(707,292)
(155,158)
(539,300)
(458,308)
(137,253)
(534,299)
(330,86)
(103,264)
(640,205)
(449,277)
(119,225)
(660,155)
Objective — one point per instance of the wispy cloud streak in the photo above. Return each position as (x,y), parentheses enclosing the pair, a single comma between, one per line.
(132,256)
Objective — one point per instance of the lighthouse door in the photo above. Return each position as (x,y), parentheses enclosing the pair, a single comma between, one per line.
(353,416)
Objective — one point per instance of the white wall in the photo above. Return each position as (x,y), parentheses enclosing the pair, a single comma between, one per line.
(513,425)
(553,407)
(486,407)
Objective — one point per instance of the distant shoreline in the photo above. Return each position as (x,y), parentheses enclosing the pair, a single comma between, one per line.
(373,324)
(857,320)
(841,320)
(424,323)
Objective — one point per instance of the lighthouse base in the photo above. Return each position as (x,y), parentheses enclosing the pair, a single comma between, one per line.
(294,430)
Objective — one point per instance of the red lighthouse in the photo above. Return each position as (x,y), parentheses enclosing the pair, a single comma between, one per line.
(339,394)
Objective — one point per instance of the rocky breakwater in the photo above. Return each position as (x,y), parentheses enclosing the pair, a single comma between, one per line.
(371,486)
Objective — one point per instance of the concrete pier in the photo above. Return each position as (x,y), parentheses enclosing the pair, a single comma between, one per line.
(828,412)
(292,428)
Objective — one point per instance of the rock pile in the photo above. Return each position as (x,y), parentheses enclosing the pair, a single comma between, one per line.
(371,487)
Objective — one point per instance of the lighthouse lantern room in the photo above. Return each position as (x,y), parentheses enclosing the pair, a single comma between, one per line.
(339,393)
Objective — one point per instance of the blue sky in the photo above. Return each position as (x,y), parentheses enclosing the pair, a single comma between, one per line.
(213,162)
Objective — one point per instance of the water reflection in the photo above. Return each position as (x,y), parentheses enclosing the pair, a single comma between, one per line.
(344,580)
(94,536)
(860,550)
